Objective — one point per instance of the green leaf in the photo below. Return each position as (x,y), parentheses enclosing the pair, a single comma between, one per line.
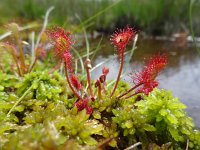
(1,88)
(177,105)
(185,131)
(172,119)
(175,134)
(6,126)
(19,108)
(129,124)
(149,127)
(90,141)
(96,115)
(163,112)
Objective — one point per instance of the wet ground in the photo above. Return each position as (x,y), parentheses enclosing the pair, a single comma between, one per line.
(182,75)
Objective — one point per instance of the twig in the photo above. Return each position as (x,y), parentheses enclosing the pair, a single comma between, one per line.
(133,146)
(105,142)
(187,144)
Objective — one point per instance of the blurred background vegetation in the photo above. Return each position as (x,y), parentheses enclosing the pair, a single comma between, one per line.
(156,17)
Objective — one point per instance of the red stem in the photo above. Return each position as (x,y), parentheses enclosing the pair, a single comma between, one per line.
(132,95)
(119,74)
(21,56)
(18,68)
(31,68)
(70,85)
(134,87)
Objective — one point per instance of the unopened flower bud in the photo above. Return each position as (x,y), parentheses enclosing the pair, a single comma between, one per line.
(105,70)
(102,78)
(97,83)
(92,98)
(88,64)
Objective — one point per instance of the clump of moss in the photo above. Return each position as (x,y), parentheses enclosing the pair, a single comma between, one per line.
(43,86)
(167,114)
(159,118)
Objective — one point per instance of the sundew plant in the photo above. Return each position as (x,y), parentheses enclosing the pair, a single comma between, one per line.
(43,108)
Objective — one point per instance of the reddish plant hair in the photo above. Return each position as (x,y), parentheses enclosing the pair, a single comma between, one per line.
(121,37)
(62,41)
(147,76)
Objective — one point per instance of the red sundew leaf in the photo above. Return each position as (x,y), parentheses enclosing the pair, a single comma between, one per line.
(145,79)
(61,40)
(105,71)
(121,37)
(83,104)
(152,68)
(155,64)
(148,87)
(68,58)
(89,109)
(75,82)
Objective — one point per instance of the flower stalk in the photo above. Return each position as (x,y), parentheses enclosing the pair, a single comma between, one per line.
(118,76)
(120,39)
(98,85)
(88,66)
